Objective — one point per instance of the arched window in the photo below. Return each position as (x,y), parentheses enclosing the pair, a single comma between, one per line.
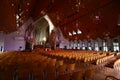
(71,45)
(115,45)
(78,45)
(105,48)
(89,45)
(96,46)
(75,45)
(83,45)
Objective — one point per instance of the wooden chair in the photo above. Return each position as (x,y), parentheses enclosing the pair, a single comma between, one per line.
(23,74)
(61,69)
(77,75)
(88,74)
(70,67)
(59,63)
(50,73)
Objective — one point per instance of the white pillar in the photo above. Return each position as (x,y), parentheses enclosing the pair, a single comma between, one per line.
(1,41)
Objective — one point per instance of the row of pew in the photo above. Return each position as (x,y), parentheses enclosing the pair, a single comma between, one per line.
(33,66)
(82,56)
(51,65)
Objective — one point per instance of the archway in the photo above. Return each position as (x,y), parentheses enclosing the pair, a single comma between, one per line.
(43,30)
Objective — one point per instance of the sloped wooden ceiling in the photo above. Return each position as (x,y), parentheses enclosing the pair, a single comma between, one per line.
(8,11)
(95,18)
(6,17)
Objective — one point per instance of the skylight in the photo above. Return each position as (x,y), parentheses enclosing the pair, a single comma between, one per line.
(74,33)
(17,16)
(70,34)
(79,32)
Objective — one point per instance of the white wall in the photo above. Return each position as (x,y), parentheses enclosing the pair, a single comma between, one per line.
(15,39)
(11,43)
(63,42)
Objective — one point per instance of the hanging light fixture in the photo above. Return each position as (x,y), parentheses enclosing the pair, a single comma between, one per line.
(74,33)
(96,17)
(78,5)
(70,34)
(79,31)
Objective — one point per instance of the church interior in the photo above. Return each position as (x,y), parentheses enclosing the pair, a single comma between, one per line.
(60,40)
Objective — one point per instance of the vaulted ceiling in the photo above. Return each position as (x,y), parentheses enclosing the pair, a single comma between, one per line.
(95,18)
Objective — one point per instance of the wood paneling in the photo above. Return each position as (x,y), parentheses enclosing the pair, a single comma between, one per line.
(66,14)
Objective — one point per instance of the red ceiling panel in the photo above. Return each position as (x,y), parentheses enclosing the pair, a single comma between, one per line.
(95,18)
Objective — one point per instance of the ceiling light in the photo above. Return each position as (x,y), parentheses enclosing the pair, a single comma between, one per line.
(58,18)
(28,4)
(76,24)
(21,21)
(70,34)
(17,16)
(76,5)
(44,39)
(17,24)
(97,17)
(12,4)
(21,13)
(17,21)
(14,14)
(74,33)
(79,32)
(20,9)
(118,23)
(27,10)
(43,12)
(88,36)
(53,1)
